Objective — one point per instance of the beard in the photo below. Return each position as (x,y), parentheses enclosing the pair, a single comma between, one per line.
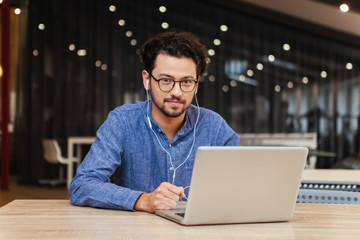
(169,111)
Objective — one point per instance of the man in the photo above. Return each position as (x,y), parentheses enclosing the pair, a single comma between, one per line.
(148,148)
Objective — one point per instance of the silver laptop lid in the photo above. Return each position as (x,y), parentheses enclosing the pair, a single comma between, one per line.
(244,184)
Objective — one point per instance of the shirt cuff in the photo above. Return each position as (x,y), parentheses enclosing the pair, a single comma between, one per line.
(131,200)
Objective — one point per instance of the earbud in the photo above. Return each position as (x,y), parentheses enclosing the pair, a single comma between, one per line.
(147,84)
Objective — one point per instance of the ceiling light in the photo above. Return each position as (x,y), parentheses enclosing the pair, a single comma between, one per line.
(225,88)
(277,88)
(98,63)
(81,52)
(305,80)
(286,47)
(250,73)
(112,8)
(259,66)
(233,83)
(323,74)
(344,7)
(223,28)
(271,58)
(71,47)
(211,52)
(41,26)
(104,67)
(121,22)
(349,66)
(290,84)
(129,33)
(162,9)
(133,42)
(212,78)
(17,11)
(165,25)
(217,42)
(242,77)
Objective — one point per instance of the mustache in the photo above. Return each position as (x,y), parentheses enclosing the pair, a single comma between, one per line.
(174,99)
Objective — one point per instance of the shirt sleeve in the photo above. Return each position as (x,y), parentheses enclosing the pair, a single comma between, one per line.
(226,135)
(91,185)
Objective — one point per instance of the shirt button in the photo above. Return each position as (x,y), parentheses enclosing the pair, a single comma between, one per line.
(170,146)
(171,168)
(159,130)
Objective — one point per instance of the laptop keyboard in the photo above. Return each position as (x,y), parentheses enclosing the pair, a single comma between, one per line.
(181,214)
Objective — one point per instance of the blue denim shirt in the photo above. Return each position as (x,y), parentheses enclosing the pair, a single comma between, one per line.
(127,160)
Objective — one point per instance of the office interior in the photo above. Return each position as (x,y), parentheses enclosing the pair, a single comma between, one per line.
(271,70)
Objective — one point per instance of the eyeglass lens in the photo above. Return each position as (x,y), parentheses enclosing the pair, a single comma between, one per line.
(168,85)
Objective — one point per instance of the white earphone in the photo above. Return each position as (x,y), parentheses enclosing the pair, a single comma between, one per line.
(147,84)
(192,146)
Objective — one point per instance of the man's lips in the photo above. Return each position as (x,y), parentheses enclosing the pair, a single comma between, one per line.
(174,102)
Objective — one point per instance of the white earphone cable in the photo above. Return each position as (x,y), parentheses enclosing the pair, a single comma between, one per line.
(192,146)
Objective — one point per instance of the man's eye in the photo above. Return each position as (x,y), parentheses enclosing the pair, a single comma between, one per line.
(187,82)
(166,81)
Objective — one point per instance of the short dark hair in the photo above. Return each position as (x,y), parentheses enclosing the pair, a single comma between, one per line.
(182,44)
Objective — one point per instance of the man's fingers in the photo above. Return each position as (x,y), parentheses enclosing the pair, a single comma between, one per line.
(179,191)
(169,201)
(166,196)
(162,206)
(165,203)
(183,195)
(171,191)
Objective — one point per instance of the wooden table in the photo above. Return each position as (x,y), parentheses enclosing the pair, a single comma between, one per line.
(72,142)
(58,219)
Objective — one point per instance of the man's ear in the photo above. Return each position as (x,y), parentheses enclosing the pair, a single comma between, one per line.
(146,79)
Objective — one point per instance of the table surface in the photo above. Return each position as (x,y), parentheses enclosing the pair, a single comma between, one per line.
(82,139)
(58,219)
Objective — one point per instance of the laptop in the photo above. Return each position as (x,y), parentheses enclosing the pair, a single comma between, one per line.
(241,185)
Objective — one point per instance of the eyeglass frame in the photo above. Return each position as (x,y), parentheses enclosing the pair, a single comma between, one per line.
(174,82)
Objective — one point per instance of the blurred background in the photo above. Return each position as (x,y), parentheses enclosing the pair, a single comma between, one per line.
(275,67)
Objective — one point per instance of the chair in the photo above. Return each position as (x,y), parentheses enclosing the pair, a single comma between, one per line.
(52,154)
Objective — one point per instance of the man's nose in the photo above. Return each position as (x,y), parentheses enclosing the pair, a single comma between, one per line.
(176,91)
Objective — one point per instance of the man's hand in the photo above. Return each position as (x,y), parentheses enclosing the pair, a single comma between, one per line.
(165,196)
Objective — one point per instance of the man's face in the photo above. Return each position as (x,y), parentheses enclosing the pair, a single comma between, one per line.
(173,103)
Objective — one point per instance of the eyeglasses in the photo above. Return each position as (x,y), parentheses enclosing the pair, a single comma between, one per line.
(166,84)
